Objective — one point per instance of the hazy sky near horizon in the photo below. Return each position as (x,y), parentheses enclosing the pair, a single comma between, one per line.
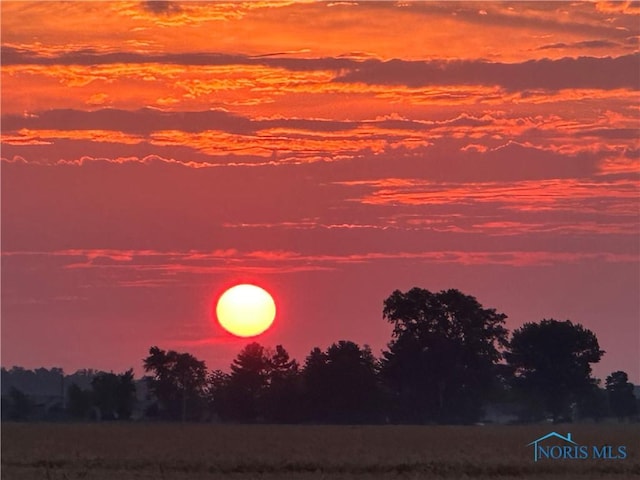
(155,153)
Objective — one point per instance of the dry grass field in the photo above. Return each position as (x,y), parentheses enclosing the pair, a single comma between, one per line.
(170,451)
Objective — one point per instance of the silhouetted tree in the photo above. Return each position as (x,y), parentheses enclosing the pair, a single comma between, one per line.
(79,402)
(218,395)
(281,365)
(178,381)
(114,395)
(245,386)
(593,403)
(551,361)
(18,405)
(5,405)
(340,385)
(354,384)
(316,380)
(263,386)
(441,362)
(621,398)
(282,398)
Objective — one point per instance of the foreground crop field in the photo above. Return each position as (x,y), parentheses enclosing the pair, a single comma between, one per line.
(166,451)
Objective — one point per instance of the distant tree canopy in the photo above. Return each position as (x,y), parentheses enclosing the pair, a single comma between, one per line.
(551,363)
(16,405)
(111,397)
(443,364)
(114,395)
(441,361)
(40,381)
(49,394)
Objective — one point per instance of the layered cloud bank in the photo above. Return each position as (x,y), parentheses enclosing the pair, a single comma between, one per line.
(152,151)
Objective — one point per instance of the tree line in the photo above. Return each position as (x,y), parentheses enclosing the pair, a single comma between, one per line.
(448,359)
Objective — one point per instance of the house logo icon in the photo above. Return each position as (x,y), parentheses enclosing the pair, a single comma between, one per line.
(565,448)
(538,449)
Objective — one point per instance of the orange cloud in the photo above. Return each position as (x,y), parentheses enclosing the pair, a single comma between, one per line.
(44,137)
(539,195)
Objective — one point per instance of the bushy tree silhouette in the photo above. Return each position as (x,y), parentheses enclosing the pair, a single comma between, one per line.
(179,382)
(441,361)
(551,363)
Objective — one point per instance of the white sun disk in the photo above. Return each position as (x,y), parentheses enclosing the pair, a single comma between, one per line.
(246,310)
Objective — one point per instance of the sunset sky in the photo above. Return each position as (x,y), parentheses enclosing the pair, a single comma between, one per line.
(154,154)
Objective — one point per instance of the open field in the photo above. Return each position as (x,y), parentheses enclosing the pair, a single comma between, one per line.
(173,451)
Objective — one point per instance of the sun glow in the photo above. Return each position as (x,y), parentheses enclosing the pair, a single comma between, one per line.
(246,310)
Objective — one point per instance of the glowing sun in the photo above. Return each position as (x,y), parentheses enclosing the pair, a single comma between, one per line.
(246,310)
